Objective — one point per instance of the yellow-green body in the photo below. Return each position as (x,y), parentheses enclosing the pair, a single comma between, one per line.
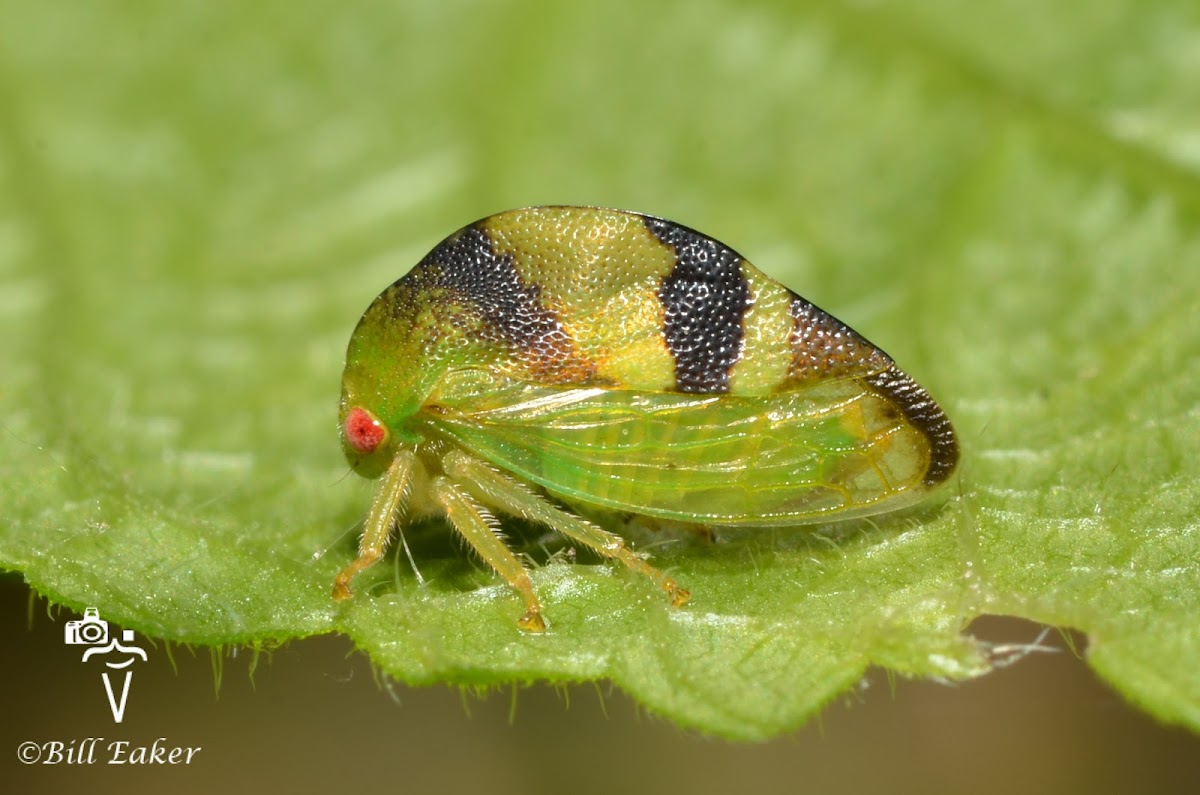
(616,360)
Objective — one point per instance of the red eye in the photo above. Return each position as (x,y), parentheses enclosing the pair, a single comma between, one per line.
(363,431)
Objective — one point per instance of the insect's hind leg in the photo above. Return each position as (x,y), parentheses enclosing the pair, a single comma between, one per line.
(478,527)
(497,489)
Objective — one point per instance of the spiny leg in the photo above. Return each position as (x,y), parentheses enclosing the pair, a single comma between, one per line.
(478,527)
(496,488)
(385,510)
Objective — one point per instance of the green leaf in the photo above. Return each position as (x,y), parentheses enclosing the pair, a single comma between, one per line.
(200,199)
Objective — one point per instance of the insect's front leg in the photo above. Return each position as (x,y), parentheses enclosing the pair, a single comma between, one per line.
(495,488)
(386,509)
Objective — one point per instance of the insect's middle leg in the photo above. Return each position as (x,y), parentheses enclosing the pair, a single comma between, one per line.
(478,527)
(495,488)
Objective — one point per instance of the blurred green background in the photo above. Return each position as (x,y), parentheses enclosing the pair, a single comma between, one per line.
(197,200)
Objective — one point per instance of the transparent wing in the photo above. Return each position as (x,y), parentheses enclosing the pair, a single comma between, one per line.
(833,450)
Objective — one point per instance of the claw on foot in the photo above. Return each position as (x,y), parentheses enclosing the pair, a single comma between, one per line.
(679,596)
(341,589)
(532,621)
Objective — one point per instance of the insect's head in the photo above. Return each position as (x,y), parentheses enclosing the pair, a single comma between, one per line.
(367,440)
(371,418)
(380,385)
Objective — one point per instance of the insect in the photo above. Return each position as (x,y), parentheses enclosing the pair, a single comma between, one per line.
(552,361)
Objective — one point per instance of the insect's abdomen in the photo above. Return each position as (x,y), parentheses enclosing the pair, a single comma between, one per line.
(774,459)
